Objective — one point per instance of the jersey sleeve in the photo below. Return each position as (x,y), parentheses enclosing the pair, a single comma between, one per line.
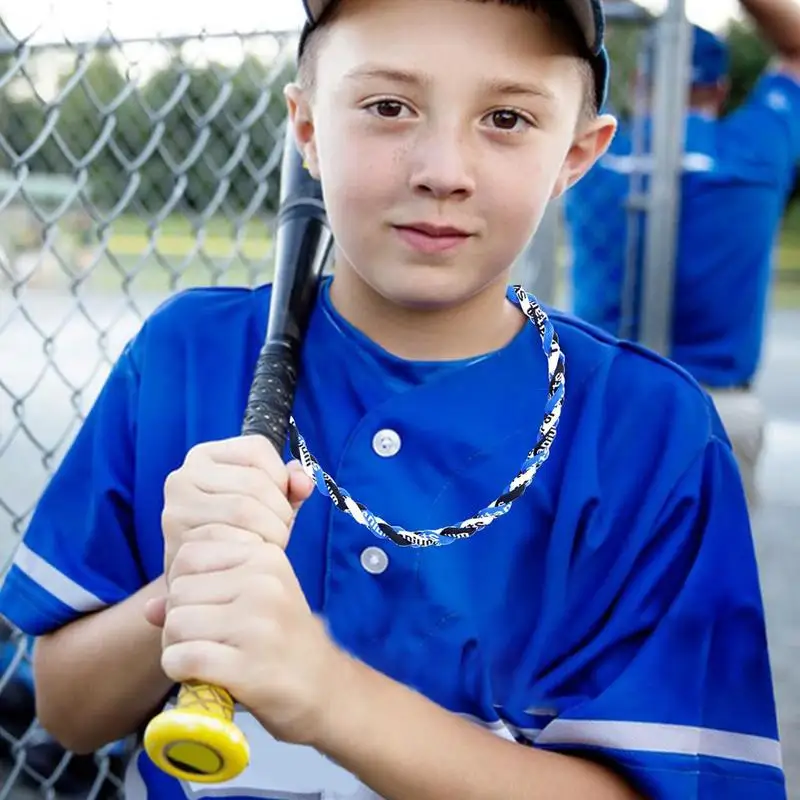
(78,553)
(671,684)
(767,125)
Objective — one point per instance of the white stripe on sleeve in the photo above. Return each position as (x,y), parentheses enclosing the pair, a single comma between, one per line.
(651,737)
(54,582)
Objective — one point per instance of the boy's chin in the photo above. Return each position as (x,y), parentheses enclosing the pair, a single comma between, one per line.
(435,289)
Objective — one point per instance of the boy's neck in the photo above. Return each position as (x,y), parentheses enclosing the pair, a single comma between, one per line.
(484,323)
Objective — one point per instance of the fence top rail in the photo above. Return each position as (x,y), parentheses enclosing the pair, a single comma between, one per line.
(10,45)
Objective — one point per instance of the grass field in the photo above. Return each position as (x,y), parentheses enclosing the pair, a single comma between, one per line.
(789,250)
(177,236)
(786,287)
(133,256)
(786,295)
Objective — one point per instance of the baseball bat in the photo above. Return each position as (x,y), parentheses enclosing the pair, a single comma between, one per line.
(197,739)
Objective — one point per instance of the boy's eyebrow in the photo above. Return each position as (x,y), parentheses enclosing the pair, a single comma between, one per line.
(495,86)
(386,73)
(514,87)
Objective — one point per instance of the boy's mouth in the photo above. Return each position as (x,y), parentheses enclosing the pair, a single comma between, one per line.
(427,238)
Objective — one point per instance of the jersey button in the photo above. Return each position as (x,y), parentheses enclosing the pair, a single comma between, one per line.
(386,443)
(374,560)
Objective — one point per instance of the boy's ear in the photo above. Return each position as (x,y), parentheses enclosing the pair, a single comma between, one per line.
(301,122)
(591,142)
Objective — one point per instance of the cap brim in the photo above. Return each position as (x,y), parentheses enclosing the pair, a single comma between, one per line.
(588,15)
(314,8)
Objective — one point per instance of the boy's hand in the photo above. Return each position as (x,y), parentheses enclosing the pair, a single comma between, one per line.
(235,490)
(237,617)
(235,614)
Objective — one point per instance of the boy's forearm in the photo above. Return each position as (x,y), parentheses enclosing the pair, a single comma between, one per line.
(779,22)
(406,748)
(99,678)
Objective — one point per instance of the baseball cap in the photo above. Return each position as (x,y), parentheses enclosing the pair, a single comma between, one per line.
(587,14)
(710,58)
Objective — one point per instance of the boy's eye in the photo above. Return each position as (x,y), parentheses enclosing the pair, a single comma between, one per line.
(507,120)
(388,109)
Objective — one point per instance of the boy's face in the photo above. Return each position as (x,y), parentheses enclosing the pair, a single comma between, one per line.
(440,130)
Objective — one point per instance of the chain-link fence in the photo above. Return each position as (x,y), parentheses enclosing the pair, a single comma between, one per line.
(128,171)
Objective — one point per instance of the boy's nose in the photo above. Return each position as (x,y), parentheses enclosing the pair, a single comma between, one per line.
(441,167)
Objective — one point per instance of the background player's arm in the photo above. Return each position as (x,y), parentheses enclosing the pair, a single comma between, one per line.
(107,665)
(779,23)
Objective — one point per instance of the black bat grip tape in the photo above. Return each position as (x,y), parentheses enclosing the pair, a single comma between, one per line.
(269,405)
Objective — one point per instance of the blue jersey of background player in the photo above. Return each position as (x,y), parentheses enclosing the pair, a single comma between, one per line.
(738,171)
(603,639)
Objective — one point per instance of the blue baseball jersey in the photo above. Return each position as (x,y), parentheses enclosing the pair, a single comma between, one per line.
(614,612)
(737,174)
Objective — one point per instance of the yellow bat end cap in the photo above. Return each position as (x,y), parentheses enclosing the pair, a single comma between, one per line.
(196,748)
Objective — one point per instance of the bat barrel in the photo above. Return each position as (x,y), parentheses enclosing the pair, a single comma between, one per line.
(303,245)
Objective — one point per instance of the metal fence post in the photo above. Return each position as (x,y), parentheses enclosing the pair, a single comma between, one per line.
(668,115)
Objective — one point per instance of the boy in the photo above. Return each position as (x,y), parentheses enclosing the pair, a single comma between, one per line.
(603,639)
(739,170)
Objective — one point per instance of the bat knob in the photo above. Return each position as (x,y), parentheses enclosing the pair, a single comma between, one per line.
(197,744)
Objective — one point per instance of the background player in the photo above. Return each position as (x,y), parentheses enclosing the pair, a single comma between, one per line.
(738,171)
(603,639)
